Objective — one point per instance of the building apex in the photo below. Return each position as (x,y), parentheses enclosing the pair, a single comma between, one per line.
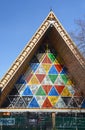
(51,16)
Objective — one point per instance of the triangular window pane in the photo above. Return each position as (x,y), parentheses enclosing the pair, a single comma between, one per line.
(40,92)
(60,103)
(34,66)
(47,103)
(52,57)
(46,60)
(53,77)
(33,103)
(53,92)
(40,100)
(53,70)
(27,92)
(47,88)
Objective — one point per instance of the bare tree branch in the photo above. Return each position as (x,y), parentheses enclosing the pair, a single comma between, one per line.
(79,35)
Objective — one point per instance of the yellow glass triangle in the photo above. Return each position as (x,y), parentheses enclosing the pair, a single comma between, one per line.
(66,93)
(53,99)
(69,82)
(46,67)
(33,80)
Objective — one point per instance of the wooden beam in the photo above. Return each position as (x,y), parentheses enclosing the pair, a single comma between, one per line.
(43,110)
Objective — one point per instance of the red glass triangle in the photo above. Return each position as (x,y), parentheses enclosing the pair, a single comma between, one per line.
(40,77)
(46,60)
(28,77)
(58,67)
(47,103)
(59,88)
(47,88)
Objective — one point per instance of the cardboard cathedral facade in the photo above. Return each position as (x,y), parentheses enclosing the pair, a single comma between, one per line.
(48,75)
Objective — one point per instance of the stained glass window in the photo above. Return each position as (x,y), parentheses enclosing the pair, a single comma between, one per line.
(45,84)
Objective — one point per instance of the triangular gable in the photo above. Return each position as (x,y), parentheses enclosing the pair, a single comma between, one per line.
(17,68)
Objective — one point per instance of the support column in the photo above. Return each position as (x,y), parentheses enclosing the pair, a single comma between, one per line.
(53,119)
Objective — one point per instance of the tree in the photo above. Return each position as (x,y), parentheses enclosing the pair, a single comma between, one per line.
(79,35)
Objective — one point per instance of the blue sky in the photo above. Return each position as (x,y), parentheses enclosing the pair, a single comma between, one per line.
(19,19)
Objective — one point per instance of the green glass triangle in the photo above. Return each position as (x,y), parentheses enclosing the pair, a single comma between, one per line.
(64,78)
(53,77)
(52,57)
(40,92)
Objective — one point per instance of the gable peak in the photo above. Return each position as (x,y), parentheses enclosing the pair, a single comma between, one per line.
(51,16)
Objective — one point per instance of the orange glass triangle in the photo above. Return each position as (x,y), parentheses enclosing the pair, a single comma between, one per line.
(40,77)
(46,60)
(59,88)
(47,103)
(58,67)
(47,88)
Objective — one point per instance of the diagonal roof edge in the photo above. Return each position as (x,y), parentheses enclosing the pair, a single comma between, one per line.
(61,30)
(50,20)
(25,53)
(71,45)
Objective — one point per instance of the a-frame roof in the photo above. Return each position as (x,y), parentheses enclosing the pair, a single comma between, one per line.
(53,30)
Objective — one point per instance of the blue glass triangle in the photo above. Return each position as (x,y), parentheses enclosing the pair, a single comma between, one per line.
(53,70)
(34,66)
(83,104)
(64,71)
(21,80)
(33,103)
(53,92)
(27,92)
